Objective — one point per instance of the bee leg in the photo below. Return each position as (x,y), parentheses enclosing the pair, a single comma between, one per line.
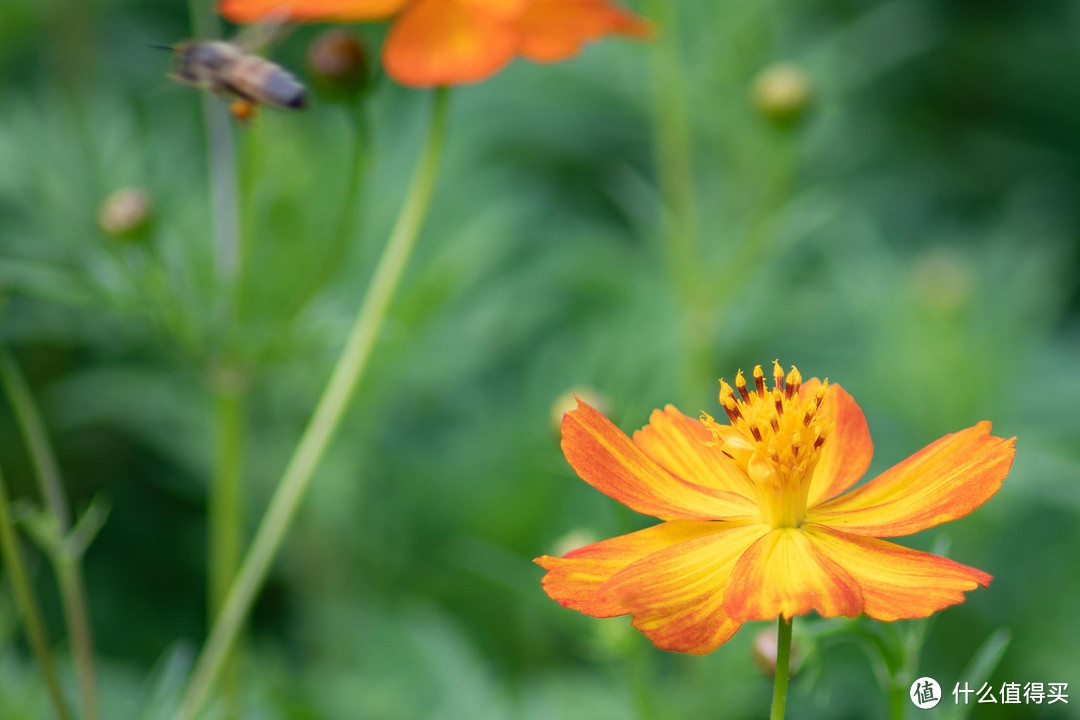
(244,111)
(185,80)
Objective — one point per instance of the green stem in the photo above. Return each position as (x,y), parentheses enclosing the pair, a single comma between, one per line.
(674,152)
(324,422)
(783,662)
(46,469)
(897,701)
(221,157)
(641,673)
(226,516)
(224,501)
(675,170)
(66,565)
(27,604)
(69,577)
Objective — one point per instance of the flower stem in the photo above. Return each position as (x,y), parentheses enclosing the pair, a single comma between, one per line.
(674,153)
(783,661)
(676,179)
(225,510)
(641,675)
(221,156)
(224,501)
(897,701)
(66,565)
(46,469)
(324,421)
(27,604)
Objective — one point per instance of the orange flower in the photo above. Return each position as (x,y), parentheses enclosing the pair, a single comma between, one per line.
(757,522)
(449,42)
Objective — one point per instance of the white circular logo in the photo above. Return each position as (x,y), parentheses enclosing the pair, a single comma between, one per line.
(925,693)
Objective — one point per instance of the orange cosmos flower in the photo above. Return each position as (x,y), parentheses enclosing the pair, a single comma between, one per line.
(449,42)
(757,522)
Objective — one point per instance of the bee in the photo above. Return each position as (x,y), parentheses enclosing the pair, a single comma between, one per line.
(232,70)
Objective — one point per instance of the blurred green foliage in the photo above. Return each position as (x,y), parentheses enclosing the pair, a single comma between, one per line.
(914,236)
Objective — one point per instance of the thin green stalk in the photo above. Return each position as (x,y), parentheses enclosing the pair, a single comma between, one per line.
(675,169)
(66,565)
(28,606)
(46,468)
(897,701)
(69,577)
(783,662)
(324,422)
(225,495)
(674,152)
(641,675)
(226,518)
(221,156)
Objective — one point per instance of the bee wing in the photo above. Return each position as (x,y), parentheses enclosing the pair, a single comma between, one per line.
(269,28)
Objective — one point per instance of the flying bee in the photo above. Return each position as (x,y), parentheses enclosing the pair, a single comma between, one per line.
(232,70)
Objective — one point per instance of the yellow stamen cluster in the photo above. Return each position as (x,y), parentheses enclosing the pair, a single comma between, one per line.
(775,436)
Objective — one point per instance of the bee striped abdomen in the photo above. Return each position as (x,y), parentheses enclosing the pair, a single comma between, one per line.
(260,80)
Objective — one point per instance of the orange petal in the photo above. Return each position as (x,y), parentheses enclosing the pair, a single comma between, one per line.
(945,480)
(606,459)
(553,30)
(683,446)
(310,10)
(574,579)
(897,583)
(447,42)
(676,594)
(507,9)
(847,450)
(783,573)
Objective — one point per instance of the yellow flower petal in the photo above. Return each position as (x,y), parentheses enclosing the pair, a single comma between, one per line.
(608,460)
(847,451)
(897,582)
(945,480)
(573,580)
(686,448)
(676,594)
(783,573)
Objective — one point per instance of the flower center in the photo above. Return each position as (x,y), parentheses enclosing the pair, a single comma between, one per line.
(775,436)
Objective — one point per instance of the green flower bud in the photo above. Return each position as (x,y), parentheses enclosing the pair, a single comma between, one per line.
(126,214)
(764,652)
(781,93)
(338,63)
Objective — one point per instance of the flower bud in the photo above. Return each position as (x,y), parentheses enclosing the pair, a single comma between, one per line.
(567,402)
(126,214)
(764,652)
(338,63)
(781,93)
(577,538)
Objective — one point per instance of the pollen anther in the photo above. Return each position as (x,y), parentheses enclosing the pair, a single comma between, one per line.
(740,384)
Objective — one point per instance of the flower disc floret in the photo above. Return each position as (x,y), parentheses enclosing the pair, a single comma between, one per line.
(775,437)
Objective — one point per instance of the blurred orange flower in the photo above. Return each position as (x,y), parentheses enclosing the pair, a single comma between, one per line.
(449,42)
(757,522)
